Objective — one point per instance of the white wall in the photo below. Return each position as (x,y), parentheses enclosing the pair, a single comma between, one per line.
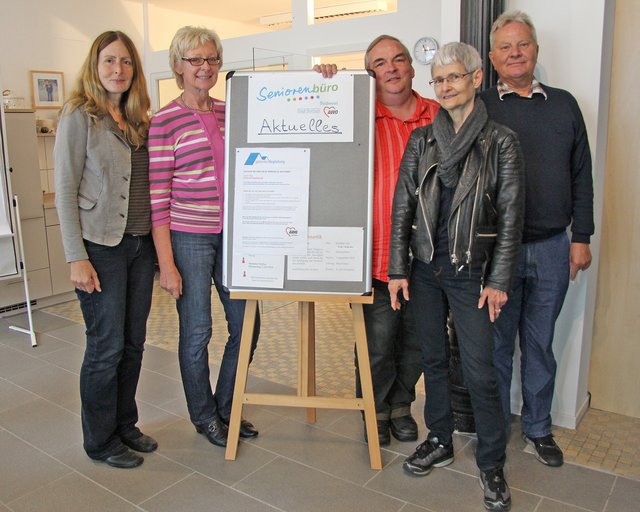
(56,36)
(413,19)
(575,54)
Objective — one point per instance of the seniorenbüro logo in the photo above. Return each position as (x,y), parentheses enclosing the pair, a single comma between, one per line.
(300,93)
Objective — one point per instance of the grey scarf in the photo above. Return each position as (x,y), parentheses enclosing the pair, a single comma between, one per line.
(455,146)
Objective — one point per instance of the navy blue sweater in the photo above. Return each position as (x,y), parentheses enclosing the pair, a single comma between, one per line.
(559,185)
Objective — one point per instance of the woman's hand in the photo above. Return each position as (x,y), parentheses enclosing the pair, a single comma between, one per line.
(396,285)
(495,299)
(84,277)
(171,280)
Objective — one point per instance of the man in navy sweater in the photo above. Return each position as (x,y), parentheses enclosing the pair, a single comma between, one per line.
(559,193)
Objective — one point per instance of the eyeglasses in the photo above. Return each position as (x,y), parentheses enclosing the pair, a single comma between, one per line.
(199,61)
(452,78)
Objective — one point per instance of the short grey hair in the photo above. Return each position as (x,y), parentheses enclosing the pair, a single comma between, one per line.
(513,16)
(384,37)
(452,53)
(186,39)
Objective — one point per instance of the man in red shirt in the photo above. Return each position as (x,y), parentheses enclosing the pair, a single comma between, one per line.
(394,350)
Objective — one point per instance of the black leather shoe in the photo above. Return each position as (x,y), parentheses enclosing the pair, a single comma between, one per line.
(216,432)
(404,428)
(125,460)
(144,443)
(384,439)
(247,430)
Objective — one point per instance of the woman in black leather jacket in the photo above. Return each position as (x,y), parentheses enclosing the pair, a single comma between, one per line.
(458,208)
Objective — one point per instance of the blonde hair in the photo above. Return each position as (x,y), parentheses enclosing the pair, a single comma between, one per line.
(188,38)
(90,95)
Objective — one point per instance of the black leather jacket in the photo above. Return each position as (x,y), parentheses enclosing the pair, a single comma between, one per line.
(487,212)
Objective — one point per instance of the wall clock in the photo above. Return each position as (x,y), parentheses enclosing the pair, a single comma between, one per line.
(424,50)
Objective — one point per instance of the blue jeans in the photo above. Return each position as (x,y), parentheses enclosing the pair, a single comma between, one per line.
(395,355)
(198,257)
(434,290)
(116,322)
(539,287)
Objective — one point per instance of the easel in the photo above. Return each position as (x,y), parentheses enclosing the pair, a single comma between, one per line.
(306,395)
(23,266)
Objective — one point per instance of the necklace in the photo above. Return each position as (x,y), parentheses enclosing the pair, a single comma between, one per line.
(208,109)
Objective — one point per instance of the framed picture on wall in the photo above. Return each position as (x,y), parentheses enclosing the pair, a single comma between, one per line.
(47,89)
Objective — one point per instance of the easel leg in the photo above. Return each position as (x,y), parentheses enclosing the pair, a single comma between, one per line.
(248,326)
(307,354)
(367,387)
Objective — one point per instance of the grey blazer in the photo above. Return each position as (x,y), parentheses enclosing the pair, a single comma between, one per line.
(92,172)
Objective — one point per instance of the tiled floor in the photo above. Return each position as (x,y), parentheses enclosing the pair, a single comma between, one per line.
(291,466)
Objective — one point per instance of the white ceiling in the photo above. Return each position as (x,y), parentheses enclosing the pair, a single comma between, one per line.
(242,11)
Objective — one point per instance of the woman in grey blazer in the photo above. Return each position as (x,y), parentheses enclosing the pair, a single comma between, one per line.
(102,197)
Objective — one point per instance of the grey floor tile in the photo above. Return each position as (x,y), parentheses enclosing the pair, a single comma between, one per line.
(46,345)
(263,418)
(156,358)
(14,362)
(176,406)
(135,485)
(180,442)
(51,383)
(569,483)
(409,507)
(443,490)
(12,338)
(49,427)
(69,358)
(337,455)
(72,333)
(152,418)
(158,389)
(13,396)
(42,321)
(24,468)
(294,487)
(72,492)
(197,493)
(625,496)
(547,505)
(171,370)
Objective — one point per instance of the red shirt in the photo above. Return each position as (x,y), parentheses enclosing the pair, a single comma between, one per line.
(391,137)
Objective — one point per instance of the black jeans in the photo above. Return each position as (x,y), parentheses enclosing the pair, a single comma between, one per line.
(433,291)
(394,354)
(116,322)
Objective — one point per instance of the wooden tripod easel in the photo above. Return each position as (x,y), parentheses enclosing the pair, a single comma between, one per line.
(306,395)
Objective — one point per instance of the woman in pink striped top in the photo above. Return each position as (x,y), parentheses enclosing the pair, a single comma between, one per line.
(186,172)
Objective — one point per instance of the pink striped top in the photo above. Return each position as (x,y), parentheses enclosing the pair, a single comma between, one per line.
(186,168)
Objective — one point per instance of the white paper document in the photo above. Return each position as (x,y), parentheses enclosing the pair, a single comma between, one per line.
(333,254)
(258,271)
(271,202)
(300,107)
